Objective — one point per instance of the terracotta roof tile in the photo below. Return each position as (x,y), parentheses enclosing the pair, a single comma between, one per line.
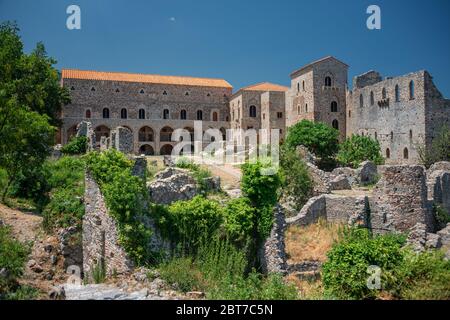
(144,78)
(265,86)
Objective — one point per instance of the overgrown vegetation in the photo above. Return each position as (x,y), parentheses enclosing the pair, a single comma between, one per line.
(13,255)
(124,195)
(357,149)
(76,146)
(404,274)
(295,180)
(439,149)
(65,181)
(219,270)
(441,215)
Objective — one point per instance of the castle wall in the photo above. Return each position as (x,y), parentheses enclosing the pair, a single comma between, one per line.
(399,126)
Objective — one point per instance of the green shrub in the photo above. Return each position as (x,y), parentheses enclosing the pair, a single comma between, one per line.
(65,209)
(262,190)
(318,137)
(194,221)
(345,272)
(357,149)
(239,216)
(77,145)
(13,255)
(424,276)
(124,195)
(296,181)
(441,215)
(22,292)
(182,272)
(66,180)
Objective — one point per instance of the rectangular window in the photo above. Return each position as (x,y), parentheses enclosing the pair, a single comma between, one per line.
(279,115)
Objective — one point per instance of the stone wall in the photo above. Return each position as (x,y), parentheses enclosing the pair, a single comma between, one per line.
(399,200)
(351,210)
(272,254)
(100,235)
(122,140)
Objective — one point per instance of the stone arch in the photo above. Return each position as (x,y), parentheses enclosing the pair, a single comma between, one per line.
(105,113)
(166,150)
(335,124)
(147,150)
(102,131)
(405,153)
(146,134)
(166,134)
(71,132)
(124,113)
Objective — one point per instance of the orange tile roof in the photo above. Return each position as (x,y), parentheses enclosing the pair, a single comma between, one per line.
(265,86)
(144,78)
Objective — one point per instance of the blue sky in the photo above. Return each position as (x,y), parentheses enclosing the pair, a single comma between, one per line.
(244,42)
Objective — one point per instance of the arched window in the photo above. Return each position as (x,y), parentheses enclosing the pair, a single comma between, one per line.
(252,111)
(411,90)
(88,114)
(183,115)
(334,106)
(101,131)
(372,99)
(166,114)
(392,136)
(141,114)
(145,134)
(105,113)
(306,107)
(303,85)
(327,81)
(397,93)
(410,134)
(166,134)
(335,124)
(298,87)
(405,153)
(199,115)
(215,116)
(361,100)
(388,153)
(383,93)
(123,113)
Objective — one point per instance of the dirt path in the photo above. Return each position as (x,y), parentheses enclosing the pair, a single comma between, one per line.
(25,226)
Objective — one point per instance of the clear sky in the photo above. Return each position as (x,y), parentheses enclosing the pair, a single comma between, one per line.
(242,41)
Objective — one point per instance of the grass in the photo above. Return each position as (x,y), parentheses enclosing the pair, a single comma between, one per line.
(311,242)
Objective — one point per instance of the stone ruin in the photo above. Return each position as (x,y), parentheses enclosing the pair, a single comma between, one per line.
(84,129)
(122,140)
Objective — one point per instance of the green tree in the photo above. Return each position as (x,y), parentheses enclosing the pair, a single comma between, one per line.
(30,99)
(296,181)
(357,149)
(318,137)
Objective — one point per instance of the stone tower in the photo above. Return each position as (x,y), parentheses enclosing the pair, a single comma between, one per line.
(318,93)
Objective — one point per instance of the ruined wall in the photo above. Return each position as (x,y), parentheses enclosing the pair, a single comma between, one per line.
(399,200)
(100,236)
(398,125)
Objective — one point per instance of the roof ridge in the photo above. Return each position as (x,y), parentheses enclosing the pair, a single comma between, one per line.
(141,74)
